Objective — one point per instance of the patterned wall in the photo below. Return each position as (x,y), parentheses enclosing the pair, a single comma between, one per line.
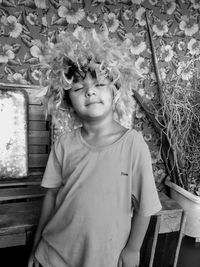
(26,24)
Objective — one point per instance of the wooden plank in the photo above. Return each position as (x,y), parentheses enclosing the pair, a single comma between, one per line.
(17,239)
(19,216)
(36,112)
(38,149)
(36,171)
(38,125)
(39,138)
(38,160)
(30,180)
(21,192)
(39,134)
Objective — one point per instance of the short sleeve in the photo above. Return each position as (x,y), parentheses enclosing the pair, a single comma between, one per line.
(52,177)
(144,189)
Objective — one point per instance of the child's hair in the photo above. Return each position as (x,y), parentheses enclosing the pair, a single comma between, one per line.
(74,55)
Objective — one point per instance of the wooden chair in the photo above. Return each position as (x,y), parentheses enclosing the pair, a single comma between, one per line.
(20,198)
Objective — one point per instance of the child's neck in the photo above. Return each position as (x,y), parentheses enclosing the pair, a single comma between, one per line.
(102,133)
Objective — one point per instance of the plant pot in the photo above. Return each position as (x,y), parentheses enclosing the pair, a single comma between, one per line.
(191,205)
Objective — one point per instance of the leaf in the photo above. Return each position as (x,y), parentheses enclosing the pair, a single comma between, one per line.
(105,9)
(59,22)
(2,75)
(14,62)
(170,22)
(2,32)
(110,2)
(52,36)
(16,47)
(9,70)
(43,30)
(121,34)
(141,33)
(128,2)
(4,12)
(27,40)
(55,3)
(95,3)
(177,16)
(8,3)
(167,35)
(162,42)
(28,58)
(27,3)
(26,30)
(180,34)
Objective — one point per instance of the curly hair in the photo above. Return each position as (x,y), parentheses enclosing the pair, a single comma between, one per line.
(69,59)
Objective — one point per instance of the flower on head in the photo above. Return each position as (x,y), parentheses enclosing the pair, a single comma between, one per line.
(6,53)
(77,53)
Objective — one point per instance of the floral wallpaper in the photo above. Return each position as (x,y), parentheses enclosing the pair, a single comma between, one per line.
(174,25)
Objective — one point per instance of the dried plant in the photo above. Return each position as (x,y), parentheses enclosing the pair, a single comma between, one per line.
(177,119)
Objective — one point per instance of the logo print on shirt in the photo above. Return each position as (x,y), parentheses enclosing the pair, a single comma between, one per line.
(124,173)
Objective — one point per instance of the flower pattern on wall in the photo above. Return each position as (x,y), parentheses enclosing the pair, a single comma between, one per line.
(26,24)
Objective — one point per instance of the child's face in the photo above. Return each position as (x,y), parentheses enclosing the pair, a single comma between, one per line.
(92,100)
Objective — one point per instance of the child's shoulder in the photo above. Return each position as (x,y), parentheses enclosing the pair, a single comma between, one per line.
(66,137)
(136,135)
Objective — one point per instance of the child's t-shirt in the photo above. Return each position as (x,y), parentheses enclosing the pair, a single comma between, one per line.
(92,219)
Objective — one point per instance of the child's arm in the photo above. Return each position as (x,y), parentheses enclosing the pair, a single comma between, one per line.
(130,255)
(46,210)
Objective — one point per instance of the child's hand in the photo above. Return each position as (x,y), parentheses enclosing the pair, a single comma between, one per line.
(129,258)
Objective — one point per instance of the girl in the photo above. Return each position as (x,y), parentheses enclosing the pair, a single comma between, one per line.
(101,189)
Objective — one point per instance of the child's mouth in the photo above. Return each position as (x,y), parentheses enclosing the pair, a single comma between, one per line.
(93,103)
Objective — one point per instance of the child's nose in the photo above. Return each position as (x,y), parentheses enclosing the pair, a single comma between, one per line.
(91,91)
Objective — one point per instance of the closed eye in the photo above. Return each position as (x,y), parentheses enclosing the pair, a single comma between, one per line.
(100,85)
(77,89)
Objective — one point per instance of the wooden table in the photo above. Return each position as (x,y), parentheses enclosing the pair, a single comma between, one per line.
(170,219)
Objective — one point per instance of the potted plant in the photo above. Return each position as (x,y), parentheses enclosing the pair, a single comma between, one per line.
(177,119)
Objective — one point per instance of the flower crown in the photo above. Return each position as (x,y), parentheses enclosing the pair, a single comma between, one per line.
(72,56)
